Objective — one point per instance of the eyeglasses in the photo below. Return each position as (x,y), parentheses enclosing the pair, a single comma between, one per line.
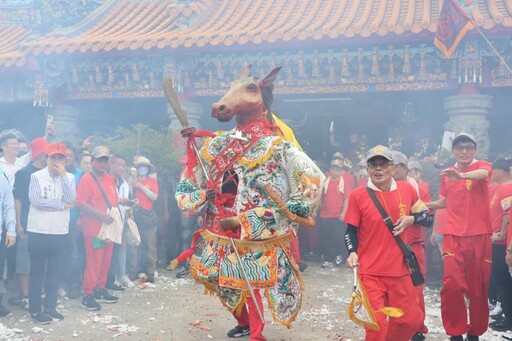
(375,165)
(469,147)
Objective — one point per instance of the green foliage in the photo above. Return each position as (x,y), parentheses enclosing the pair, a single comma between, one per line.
(157,145)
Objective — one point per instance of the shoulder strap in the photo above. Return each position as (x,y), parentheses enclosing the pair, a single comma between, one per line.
(109,205)
(387,220)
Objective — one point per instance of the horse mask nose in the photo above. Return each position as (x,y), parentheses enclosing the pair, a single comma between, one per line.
(218,108)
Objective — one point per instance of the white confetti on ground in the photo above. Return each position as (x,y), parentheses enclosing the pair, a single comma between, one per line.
(104,319)
(435,324)
(11,334)
(122,329)
(179,282)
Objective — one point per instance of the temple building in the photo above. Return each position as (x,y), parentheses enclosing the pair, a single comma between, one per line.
(354,72)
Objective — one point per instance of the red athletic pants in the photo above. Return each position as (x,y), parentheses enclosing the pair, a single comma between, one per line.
(97,264)
(249,317)
(419,251)
(467,268)
(396,292)
(295,250)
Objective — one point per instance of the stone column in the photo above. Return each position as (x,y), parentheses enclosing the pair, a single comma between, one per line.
(65,118)
(194,114)
(468,113)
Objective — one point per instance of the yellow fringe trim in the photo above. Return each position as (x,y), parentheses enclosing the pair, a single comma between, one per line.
(211,290)
(295,269)
(257,162)
(206,156)
(244,246)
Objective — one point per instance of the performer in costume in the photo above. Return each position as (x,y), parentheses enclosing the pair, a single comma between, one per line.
(245,166)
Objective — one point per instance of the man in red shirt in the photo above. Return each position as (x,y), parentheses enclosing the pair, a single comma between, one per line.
(374,250)
(466,241)
(415,173)
(500,215)
(145,189)
(334,206)
(93,208)
(414,235)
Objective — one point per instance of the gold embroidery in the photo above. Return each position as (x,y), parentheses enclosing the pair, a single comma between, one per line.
(469,184)
(403,210)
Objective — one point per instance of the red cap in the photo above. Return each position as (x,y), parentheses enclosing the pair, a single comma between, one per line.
(37,147)
(56,148)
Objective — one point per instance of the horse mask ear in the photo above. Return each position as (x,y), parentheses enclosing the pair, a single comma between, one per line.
(269,79)
(245,72)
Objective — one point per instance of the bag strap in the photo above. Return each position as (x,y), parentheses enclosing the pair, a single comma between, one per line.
(109,205)
(388,221)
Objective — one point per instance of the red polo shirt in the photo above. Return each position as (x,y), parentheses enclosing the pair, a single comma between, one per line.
(378,251)
(88,192)
(500,207)
(144,201)
(467,203)
(333,201)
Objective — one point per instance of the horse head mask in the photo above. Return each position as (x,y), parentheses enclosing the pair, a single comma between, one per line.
(248,98)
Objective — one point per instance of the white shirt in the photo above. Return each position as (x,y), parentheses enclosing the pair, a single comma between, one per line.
(123,191)
(10,169)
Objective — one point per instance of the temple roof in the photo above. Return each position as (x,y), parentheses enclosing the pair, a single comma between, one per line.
(148,24)
(10,38)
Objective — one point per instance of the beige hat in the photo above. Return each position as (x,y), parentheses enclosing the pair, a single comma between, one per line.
(337,155)
(144,161)
(413,164)
(379,150)
(463,137)
(400,158)
(100,151)
(337,163)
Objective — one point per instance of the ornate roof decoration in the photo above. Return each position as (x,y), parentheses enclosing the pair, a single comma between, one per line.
(121,24)
(43,15)
(10,38)
(148,24)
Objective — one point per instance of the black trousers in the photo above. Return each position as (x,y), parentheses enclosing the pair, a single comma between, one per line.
(74,262)
(501,278)
(331,236)
(46,256)
(7,255)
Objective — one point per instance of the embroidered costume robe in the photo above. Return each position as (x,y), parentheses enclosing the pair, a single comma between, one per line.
(263,238)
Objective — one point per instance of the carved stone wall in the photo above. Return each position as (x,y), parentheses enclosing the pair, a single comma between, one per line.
(468,113)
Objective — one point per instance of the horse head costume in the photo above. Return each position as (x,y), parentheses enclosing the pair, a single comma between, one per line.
(248,98)
(264,185)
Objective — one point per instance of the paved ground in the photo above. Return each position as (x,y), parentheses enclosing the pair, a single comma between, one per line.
(166,312)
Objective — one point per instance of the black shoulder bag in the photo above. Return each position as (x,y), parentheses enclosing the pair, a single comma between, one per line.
(103,194)
(410,257)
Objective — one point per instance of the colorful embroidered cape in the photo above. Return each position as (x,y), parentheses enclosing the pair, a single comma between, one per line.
(265,233)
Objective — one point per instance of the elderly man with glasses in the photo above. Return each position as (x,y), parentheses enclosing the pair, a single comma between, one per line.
(373,249)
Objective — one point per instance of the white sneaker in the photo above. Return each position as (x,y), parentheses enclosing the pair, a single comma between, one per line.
(497,311)
(339,260)
(125,281)
(326,265)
